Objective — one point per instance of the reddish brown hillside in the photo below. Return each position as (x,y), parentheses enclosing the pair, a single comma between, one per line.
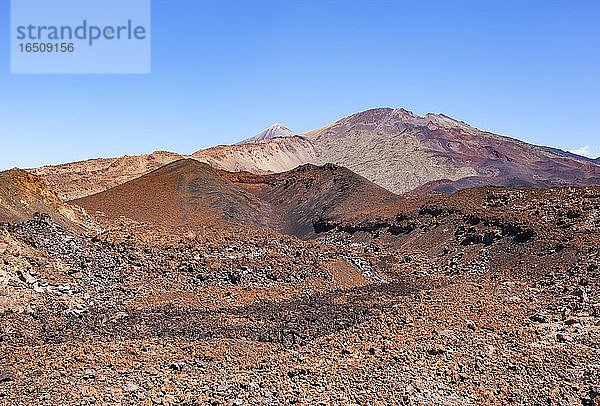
(297,202)
(306,197)
(23,194)
(183,192)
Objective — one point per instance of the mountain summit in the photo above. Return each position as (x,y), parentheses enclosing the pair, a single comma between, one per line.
(277,130)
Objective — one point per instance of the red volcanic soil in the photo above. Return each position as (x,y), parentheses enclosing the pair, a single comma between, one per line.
(390,144)
(23,194)
(503,161)
(183,192)
(189,192)
(486,296)
(308,195)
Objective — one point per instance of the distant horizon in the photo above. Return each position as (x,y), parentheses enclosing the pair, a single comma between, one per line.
(222,71)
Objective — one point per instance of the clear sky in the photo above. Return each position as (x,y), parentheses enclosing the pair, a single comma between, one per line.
(224,70)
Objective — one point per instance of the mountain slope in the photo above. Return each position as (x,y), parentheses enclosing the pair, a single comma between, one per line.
(401,151)
(84,178)
(182,192)
(23,194)
(571,155)
(308,197)
(276,155)
(188,192)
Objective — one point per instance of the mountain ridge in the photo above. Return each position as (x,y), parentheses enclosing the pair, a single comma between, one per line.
(393,147)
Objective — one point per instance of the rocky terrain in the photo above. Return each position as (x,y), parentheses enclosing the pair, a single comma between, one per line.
(22,194)
(394,148)
(386,258)
(197,290)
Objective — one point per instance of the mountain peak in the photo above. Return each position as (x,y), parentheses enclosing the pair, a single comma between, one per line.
(383,114)
(391,119)
(277,130)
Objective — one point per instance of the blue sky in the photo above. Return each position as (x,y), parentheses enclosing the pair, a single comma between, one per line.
(224,70)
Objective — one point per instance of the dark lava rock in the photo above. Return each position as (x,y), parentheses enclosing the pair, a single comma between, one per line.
(6,376)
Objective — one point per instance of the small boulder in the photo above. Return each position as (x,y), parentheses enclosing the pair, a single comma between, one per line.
(438,349)
(564,337)
(539,318)
(6,376)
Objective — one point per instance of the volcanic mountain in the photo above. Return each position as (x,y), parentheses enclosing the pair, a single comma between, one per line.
(182,192)
(188,192)
(393,148)
(308,197)
(277,130)
(429,294)
(401,151)
(22,195)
